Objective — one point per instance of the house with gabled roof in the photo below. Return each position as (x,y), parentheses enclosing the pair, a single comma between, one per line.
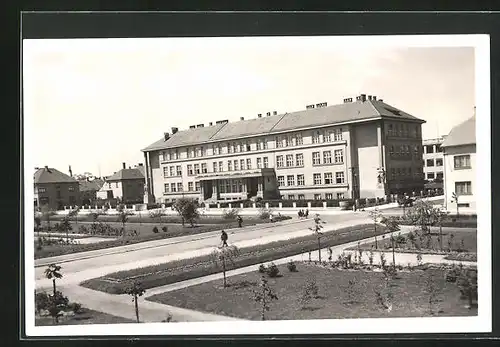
(460,167)
(55,189)
(126,185)
(357,149)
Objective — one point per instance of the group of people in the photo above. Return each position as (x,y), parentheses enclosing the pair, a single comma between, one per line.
(303,214)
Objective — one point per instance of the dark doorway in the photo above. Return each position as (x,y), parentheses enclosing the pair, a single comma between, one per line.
(252,186)
(208,191)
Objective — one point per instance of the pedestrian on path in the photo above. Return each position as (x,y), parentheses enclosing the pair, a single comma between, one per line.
(240,221)
(330,253)
(224,237)
(307,213)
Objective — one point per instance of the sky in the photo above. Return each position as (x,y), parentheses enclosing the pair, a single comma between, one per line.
(95,103)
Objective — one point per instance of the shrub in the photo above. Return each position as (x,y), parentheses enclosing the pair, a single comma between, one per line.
(231,214)
(82,229)
(262,269)
(291,266)
(75,307)
(164,229)
(273,271)
(59,300)
(155,229)
(42,301)
(264,213)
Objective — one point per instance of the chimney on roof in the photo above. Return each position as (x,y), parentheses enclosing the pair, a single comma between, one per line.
(192,126)
(124,165)
(259,115)
(166,136)
(309,107)
(363,97)
(221,121)
(374,98)
(347,100)
(369,97)
(381,100)
(200,125)
(70,172)
(275,113)
(175,130)
(140,164)
(268,114)
(242,118)
(323,104)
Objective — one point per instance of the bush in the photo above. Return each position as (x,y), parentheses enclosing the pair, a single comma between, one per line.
(82,229)
(291,266)
(75,307)
(155,229)
(42,301)
(262,269)
(164,229)
(264,213)
(273,271)
(230,214)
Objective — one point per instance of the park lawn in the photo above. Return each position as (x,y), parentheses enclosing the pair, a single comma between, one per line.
(86,316)
(410,298)
(461,242)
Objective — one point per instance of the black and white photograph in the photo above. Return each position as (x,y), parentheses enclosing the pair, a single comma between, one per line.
(257,185)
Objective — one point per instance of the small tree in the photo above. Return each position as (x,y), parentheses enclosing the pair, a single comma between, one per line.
(65,226)
(432,291)
(264,296)
(47,213)
(440,216)
(38,224)
(123,216)
(136,290)
(392,224)
(157,215)
(454,198)
(74,214)
(187,209)
(221,255)
(52,272)
(317,231)
(467,283)
(375,215)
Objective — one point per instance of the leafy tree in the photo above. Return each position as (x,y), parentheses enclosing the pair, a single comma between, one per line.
(74,214)
(454,198)
(52,272)
(440,216)
(136,290)
(317,231)
(432,291)
(422,214)
(264,296)
(123,216)
(375,215)
(38,224)
(187,209)
(392,224)
(467,283)
(47,212)
(221,255)
(65,226)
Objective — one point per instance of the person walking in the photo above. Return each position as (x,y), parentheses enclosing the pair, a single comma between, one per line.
(240,221)
(307,213)
(224,237)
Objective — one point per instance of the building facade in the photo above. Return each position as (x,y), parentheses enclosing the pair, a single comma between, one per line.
(362,148)
(460,167)
(433,159)
(126,185)
(54,189)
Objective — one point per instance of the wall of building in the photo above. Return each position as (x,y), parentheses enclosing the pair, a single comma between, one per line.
(452,175)
(133,190)
(56,200)
(436,157)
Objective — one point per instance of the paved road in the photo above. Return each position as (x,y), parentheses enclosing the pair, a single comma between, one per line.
(79,267)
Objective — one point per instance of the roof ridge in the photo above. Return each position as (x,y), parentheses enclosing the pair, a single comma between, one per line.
(278,122)
(373,106)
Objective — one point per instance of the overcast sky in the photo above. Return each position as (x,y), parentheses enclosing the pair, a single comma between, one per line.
(94,104)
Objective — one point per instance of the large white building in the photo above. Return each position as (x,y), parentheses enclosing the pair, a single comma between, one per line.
(460,167)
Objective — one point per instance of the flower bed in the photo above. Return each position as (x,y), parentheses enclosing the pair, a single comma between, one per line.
(172,272)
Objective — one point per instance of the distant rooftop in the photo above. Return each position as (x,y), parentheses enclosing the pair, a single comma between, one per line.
(51,175)
(363,109)
(463,134)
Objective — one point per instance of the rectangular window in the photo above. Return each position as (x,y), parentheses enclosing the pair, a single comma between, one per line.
(172,169)
(221,166)
(214,166)
(389,130)
(462,161)
(393,173)
(178,169)
(328,178)
(430,175)
(229,165)
(429,162)
(197,169)
(176,154)
(439,175)
(289,160)
(248,148)
(339,177)
(463,188)
(315,137)
(327,157)
(189,153)
(179,187)
(337,135)
(429,149)
(301,197)
(166,187)
(416,151)
(391,151)
(279,142)
(173,187)
(326,136)
(288,140)
(41,190)
(214,149)
(281,181)
(439,149)
(290,180)
(204,168)
(298,139)
(279,161)
(222,186)
(317,178)
(190,186)
(71,189)
(439,162)
(266,162)
(340,196)
(242,164)
(228,186)
(197,186)
(300,180)
(316,158)
(317,196)
(328,196)
(259,163)
(339,156)
(190,170)
(299,159)
(165,171)
(291,197)
(249,164)
(236,166)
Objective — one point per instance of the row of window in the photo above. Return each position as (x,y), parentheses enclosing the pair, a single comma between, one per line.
(178,187)
(281,141)
(318,179)
(431,162)
(399,172)
(429,149)
(403,150)
(217,166)
(328,196)
(44,190)
(338,157)
(403,130)
(434,175)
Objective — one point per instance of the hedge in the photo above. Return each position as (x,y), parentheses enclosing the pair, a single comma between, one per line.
(185,269)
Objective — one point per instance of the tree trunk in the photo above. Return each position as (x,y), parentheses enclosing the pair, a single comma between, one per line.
(319,249)
(224,270)
(440,237)
(136,308)
(54,286)
(393,252)
(376,243)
